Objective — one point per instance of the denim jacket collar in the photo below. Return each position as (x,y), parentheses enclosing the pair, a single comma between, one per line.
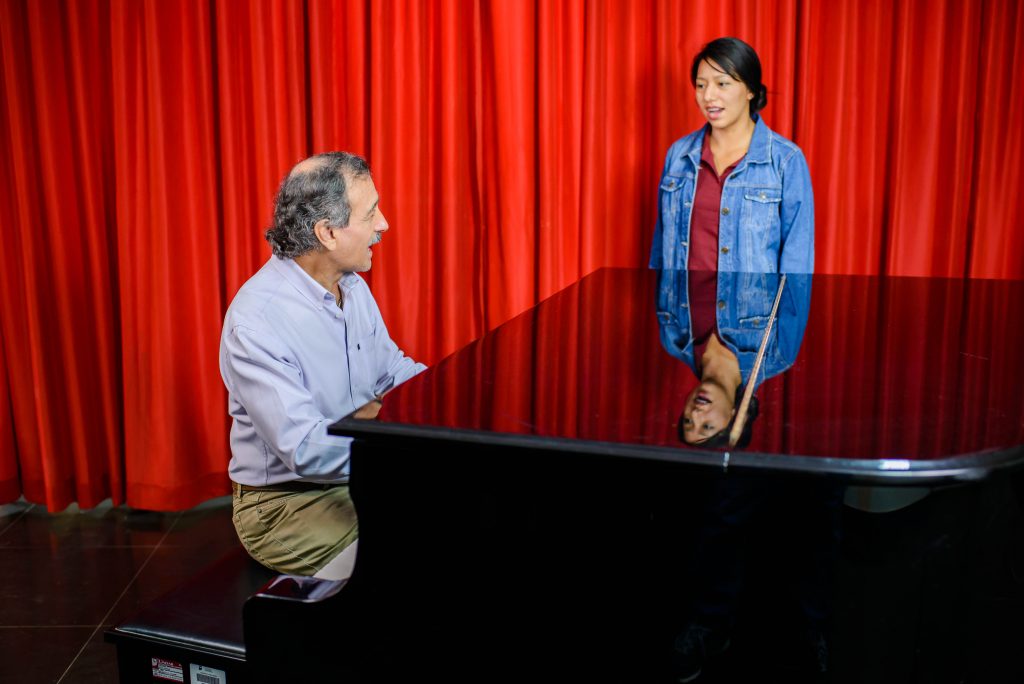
(759,152)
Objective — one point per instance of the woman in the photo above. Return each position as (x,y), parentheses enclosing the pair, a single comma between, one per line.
(735,203)
(734,195)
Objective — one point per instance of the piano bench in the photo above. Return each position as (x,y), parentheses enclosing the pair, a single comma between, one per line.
(193,633)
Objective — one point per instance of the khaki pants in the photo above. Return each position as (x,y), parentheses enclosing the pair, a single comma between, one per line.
(296,533)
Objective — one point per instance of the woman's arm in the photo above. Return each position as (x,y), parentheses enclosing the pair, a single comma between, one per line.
(796,254)
(657,253)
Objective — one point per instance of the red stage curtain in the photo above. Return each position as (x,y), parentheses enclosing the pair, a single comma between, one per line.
(60,292)
(516,146)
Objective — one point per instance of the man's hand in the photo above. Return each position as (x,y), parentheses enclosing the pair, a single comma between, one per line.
(369,411)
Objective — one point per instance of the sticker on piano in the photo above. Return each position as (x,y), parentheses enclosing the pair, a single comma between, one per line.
(201,674)
(167,670)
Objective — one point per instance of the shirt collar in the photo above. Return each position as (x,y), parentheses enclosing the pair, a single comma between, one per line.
(705,151)
(349,281)
(760,149)
(708,157)
(304,284)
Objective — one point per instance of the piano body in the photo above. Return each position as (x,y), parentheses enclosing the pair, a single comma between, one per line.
(529,512)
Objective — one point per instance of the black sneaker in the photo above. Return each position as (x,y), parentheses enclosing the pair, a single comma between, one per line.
(693,646)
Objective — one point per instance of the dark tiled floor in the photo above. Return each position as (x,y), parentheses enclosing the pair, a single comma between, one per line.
(67,577)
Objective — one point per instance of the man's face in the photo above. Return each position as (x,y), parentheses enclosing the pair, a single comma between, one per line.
(707,412)
(365,227)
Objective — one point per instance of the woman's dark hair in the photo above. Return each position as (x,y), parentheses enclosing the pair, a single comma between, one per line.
(721,439)
(739,60)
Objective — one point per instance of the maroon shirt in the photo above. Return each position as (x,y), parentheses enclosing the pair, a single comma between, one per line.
(703,258)
(703,297)
(707,202)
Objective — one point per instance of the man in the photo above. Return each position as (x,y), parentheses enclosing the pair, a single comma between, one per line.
(304,345)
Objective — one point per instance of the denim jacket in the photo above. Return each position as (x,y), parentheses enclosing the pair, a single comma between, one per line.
(744,305)
(767,215)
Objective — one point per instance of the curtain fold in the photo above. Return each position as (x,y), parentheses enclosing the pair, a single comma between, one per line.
(59,290)
(261,100)
(167,228)
(516,147)
(997,202)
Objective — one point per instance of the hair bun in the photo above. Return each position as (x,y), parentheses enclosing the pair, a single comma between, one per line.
(761,101)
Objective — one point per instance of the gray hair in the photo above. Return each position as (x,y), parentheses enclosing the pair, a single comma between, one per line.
(315,189)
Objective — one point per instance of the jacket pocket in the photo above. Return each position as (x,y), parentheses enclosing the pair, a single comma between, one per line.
(675,193)
(761,206)
(760,226)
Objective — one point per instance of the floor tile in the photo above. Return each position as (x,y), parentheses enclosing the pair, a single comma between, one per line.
(40,655)
(9,511)
(166,569)
(208,526)
(9,514)
(96,664)
(64,586)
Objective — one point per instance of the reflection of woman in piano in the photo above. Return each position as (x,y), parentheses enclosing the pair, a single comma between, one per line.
(714,322)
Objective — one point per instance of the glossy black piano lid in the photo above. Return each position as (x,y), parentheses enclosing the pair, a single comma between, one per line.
(891,368)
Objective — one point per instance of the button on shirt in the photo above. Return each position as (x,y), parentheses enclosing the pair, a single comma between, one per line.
(294,363)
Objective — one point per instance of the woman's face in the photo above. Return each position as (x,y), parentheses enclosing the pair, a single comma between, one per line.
(708,411)
(723,100)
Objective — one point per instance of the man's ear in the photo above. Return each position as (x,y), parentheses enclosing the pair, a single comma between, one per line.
(324,233)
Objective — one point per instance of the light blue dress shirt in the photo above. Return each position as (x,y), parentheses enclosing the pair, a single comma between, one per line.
(294,363)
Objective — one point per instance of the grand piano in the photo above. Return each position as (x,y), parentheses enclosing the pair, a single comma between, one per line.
(530,512)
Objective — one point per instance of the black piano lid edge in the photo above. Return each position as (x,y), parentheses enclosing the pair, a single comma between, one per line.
(890,471)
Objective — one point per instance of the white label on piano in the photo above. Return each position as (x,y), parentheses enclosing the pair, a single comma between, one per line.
(167,670)
(201,674)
